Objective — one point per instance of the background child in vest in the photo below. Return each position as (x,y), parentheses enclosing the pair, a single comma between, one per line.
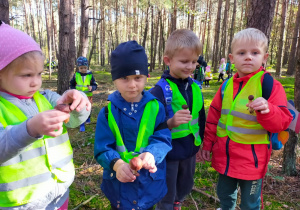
(81,78)
(124,189)
(22,150)
(200,70)
(222,69)
(181,53)
(240,163)
(208,76)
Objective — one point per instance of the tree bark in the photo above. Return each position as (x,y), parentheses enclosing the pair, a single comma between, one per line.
(48,39)
(287,42)
(280,47)
(67,50)
(4,11)
(232,26)
(207,51)
(292,56)
(146,26)
(216,39)
(260,15)
(274,35)
(192,14)
(84,29)
(289,152)
(224,30)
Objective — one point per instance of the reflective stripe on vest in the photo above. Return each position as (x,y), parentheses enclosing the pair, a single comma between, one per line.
(146,129)
(177,101)
(83,86)
(236,120)
(24,177)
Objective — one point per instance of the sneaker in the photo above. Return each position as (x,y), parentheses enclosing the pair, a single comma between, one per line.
(82,128)
(208,86)
(88,121)
(177,206)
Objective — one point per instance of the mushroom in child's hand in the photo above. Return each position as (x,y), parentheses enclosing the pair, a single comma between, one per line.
(250,99)
(63,108)
(185,106)
(135,164)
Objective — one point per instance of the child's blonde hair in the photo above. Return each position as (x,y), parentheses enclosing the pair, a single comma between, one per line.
(251,35)
(182,38)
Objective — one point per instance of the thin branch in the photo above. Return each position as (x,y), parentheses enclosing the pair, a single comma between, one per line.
(208,195)
(85,202)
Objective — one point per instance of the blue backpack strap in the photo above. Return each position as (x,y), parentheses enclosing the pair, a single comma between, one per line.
(168,94)
(223,88)
(198,83)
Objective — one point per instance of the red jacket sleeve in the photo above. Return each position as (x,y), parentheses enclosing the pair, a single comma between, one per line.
(279,117)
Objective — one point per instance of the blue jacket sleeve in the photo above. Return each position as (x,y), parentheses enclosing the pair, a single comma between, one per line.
(105,142)
(93,83)
(160,142)
(73,82)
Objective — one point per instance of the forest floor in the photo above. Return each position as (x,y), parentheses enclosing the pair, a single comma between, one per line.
(279,191)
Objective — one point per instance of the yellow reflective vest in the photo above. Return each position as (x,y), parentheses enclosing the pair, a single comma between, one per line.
(26,176)
(236,120)
(146,129)
(177,101)
(83,86)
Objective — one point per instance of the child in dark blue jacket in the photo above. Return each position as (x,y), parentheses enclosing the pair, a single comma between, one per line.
(187,124)
(132,125)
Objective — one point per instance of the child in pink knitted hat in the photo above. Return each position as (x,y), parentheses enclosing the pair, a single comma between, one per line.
(36,164)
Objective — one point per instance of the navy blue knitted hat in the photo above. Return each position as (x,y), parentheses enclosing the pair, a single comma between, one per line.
(82,61)
(129,58)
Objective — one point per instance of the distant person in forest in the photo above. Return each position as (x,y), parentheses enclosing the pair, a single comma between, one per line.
(245,110)
(208,76)
(222,69)
(84,81)
(184,104)
(200,70)
(36,157)
(132,127)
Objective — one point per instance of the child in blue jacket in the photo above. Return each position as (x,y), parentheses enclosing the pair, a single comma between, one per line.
(133,124)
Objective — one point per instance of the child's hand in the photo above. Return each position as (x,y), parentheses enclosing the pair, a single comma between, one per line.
(180,117)
(206,155)
(259,104)
(148,162)
(90,88)
(47,123)
(123,171)
(75,99)
(199,158)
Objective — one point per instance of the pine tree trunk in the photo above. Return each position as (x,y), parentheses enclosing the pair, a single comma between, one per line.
(27,29)
(4,11)
(260,15)
(146,26)
(274,35)
(152,40)
(207,51)
(54,32)
(280,44)
(173,17)
(217,37)
(94,41)
(224,30)
(67,50)
(192,14)
(117,22)
(232,26)
(287,42)
(292,56)
(84,29)
(48,39)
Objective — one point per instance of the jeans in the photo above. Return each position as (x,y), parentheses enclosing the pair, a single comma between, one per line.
(227,189)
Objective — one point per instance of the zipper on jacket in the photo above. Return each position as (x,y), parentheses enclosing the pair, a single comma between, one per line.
(254,156)
(187,95)
(227,155)
(239,90)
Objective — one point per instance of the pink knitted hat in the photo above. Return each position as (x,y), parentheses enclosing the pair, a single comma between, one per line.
(14,43)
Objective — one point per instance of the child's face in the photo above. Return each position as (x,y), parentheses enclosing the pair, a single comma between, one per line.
(24,77)
(248,57)
(182,64)
(83,69)
(131,87)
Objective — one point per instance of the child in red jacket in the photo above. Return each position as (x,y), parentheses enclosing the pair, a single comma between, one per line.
(237,129)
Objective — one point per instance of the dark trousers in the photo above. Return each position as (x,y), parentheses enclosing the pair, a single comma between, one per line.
(221,77)
(180,181)
(206,82)
(250,192)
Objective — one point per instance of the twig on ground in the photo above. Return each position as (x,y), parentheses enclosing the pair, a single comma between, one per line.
(206,194)
(194,201)
(85,202)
